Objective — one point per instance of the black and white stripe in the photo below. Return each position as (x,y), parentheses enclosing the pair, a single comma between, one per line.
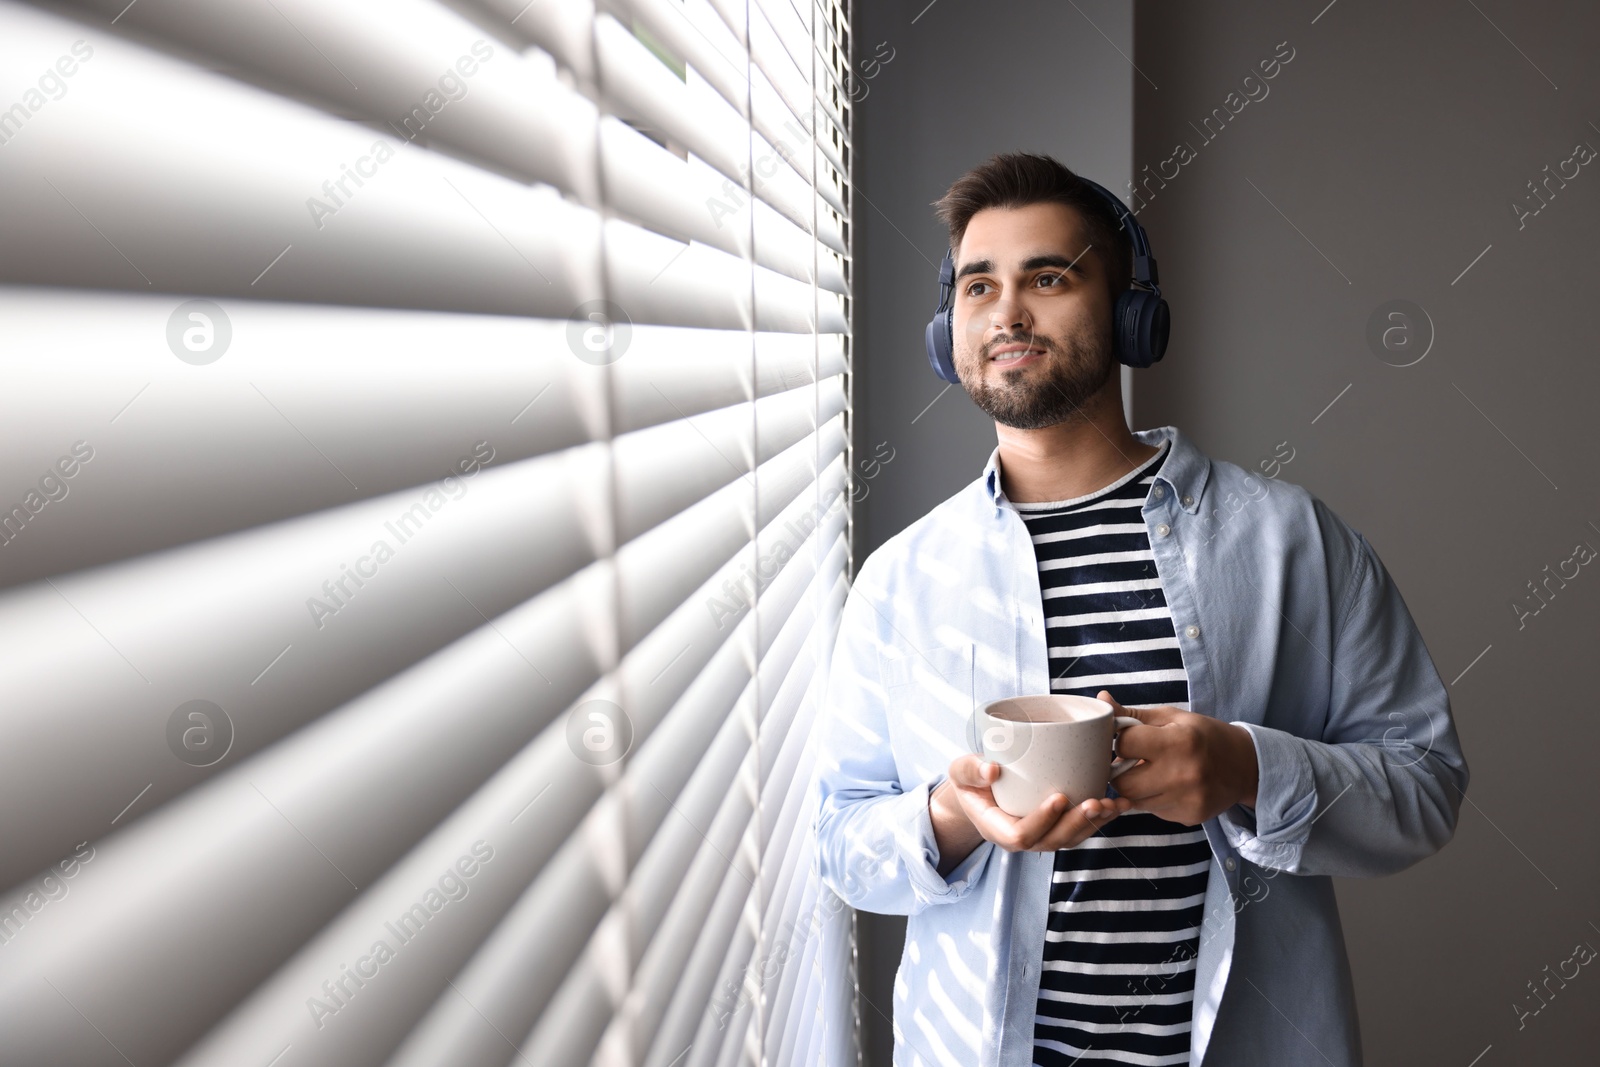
(1117,980)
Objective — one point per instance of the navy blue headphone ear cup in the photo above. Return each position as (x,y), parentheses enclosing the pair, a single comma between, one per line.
(937,337)
(1140,327)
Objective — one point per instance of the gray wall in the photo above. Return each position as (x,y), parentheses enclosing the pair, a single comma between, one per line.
(1391,148)
(967,80)
(1384,159)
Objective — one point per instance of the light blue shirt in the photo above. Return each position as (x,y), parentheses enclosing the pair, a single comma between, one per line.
(1287,624)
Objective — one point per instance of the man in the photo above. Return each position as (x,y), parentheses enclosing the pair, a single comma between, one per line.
(1291,723)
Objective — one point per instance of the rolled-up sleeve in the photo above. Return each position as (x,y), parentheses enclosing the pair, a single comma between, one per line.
(1382,786)
(875,842)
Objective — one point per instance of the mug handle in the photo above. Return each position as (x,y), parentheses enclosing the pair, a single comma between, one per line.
(1122,763)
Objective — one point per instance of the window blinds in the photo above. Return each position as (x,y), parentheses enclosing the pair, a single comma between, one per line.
(425,479)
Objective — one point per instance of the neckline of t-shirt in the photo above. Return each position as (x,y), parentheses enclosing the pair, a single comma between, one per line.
(1051,505)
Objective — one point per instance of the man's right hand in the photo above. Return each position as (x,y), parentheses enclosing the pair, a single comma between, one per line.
(1056,823)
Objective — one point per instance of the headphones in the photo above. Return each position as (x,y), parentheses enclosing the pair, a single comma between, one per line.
(1139,323)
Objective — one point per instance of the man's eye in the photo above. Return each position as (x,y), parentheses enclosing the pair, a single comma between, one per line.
(972,290)
(1048,279)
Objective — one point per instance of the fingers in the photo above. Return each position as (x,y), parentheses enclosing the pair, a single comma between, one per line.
(1149,716)
(1056,823)
(1146,741)
(1160,802)
(1125,734)
(1081,823)
(1010,832)
(1105,694)
(1066,826)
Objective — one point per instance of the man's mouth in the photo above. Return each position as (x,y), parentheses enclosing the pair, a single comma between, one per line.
(1015,354)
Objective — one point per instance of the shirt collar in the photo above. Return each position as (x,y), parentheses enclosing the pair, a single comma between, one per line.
(1185,469)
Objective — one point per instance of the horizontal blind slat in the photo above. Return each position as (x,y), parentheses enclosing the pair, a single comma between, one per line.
(411,72)
(692,31)
(779,66)
(516,970)
(559,27)
(413,604)
(414,707)
(681,199)
(290,778)
(228,620)
(108,194)
(639,85)
(658,570)
(667,931)
(661,470)
(308,397)
(244,837)
(710,369)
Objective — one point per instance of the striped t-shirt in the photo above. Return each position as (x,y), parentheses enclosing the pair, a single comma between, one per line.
(1117,980)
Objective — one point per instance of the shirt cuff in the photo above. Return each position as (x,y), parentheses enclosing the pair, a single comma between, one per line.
(926,881)
(1272,834)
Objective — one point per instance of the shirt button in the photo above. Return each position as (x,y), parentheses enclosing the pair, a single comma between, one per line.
(1230,863)
(1187,500)
(1158,492)
(1163,529)
(1191,632)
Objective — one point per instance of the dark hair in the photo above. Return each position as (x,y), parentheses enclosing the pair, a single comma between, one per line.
(1016,179)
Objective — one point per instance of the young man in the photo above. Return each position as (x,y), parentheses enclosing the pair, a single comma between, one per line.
(1292,725)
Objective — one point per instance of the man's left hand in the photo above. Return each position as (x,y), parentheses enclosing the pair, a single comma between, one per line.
(1195,766)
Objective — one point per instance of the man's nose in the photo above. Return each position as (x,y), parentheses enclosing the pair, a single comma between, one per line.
(1009,313)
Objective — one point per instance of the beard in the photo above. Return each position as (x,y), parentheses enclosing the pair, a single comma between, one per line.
(1058,389)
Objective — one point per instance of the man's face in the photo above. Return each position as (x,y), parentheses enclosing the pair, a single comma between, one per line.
(1032,319)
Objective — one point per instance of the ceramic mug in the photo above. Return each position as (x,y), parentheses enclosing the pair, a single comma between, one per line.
(1050,744)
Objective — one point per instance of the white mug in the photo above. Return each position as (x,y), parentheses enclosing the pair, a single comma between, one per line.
(1050,744)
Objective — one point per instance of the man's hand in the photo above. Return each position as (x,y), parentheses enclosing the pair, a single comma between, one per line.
(1194,766)
(1056,823)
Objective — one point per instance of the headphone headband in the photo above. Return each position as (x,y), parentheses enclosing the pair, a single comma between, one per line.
(1140,321)
(1144,263)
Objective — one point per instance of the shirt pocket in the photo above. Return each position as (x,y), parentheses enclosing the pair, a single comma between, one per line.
(929,703)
